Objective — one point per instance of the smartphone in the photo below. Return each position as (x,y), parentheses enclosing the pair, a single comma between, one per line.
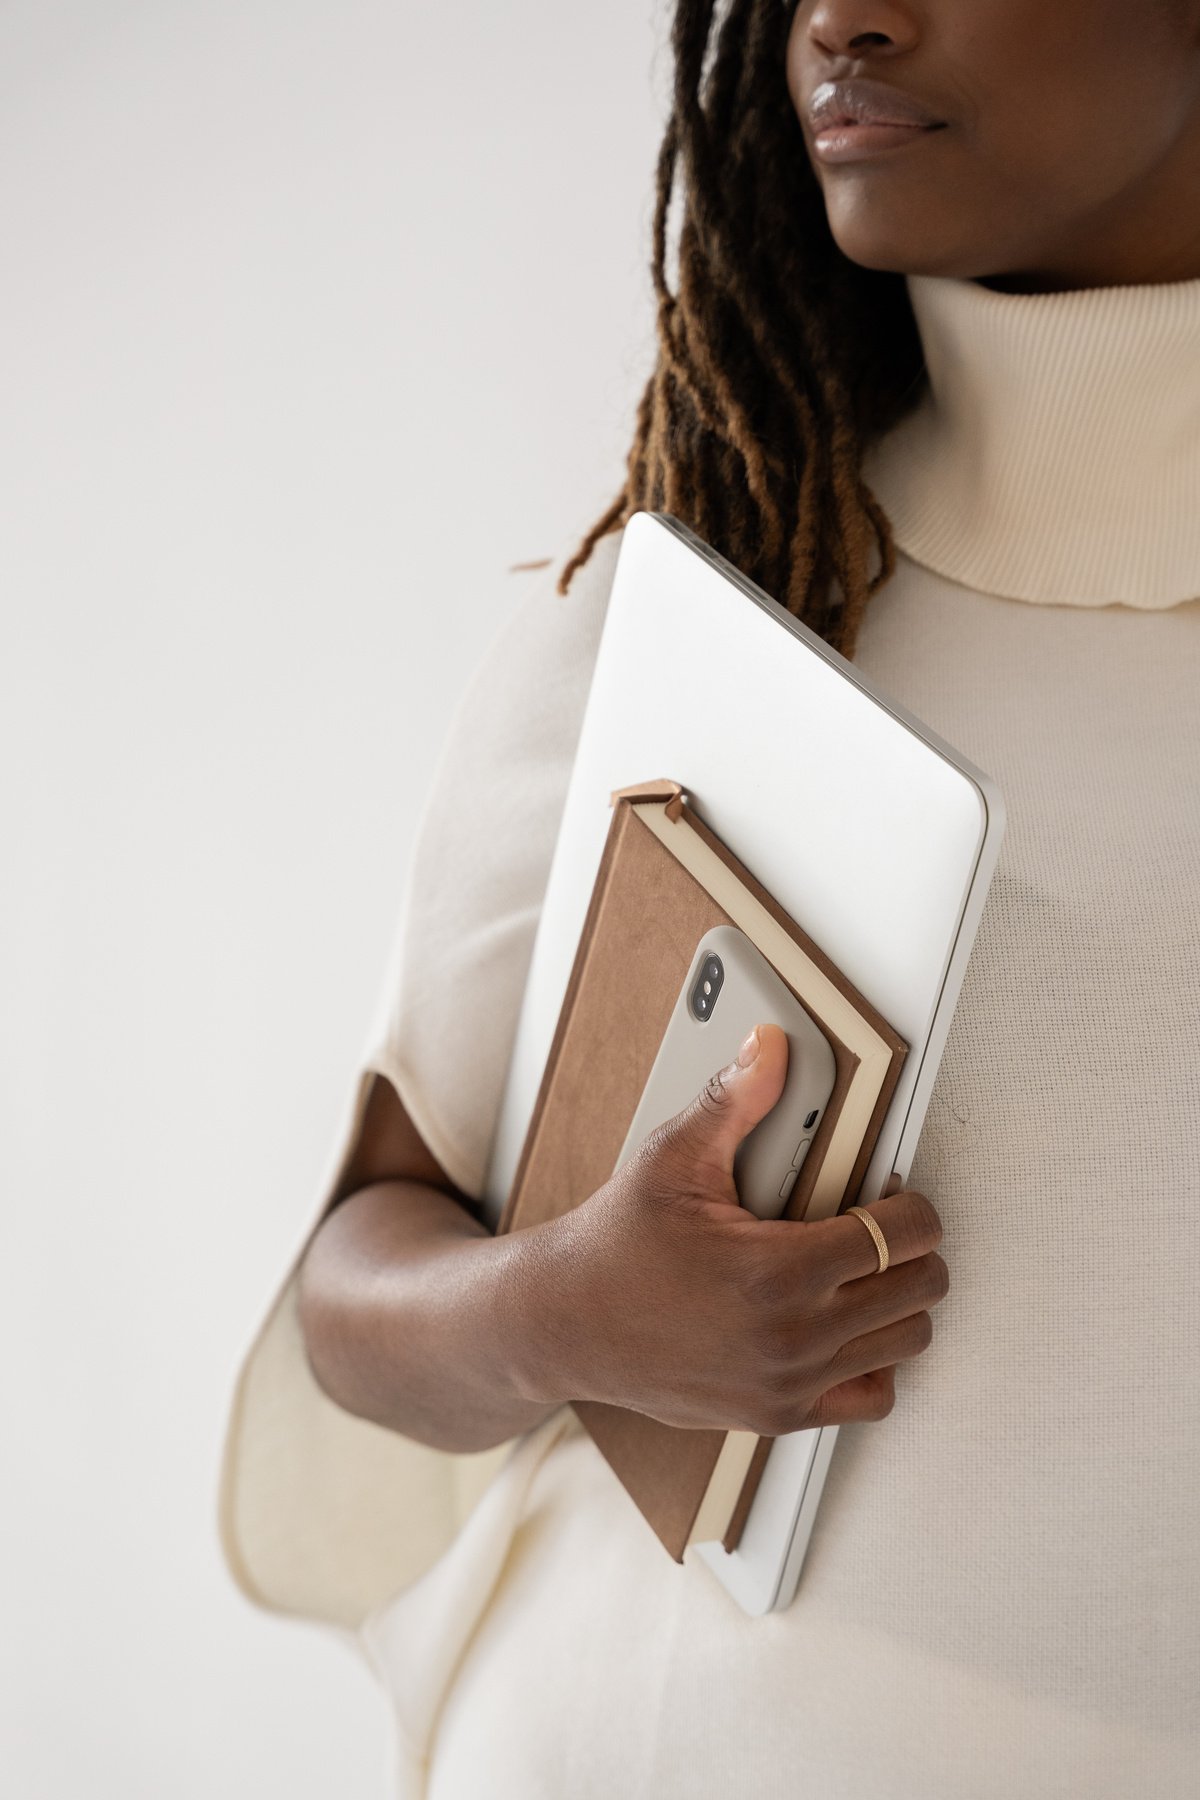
(730,987)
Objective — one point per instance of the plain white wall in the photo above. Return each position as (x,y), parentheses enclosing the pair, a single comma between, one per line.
(315,317)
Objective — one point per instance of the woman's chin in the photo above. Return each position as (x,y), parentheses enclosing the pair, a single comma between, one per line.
(883,247)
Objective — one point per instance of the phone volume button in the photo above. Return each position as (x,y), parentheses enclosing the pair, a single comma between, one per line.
(789,1182)
(801,1152)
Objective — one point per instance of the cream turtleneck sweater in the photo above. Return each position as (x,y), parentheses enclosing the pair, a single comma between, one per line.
(1056,455)
(1002,1593)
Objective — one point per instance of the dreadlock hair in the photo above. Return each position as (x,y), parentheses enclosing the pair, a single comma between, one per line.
(779,360)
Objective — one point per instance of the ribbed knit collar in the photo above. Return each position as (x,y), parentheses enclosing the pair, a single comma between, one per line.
(1056,455)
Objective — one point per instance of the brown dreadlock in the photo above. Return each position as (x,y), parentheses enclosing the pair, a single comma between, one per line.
(780,360)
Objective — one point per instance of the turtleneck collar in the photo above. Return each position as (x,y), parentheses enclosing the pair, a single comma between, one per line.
(1056,454)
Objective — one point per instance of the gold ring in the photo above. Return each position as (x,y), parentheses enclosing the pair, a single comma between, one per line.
(880,1241)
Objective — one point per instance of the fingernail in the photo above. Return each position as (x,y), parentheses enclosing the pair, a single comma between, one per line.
(749,1050)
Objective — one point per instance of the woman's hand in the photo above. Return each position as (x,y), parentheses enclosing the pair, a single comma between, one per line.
(664,1294)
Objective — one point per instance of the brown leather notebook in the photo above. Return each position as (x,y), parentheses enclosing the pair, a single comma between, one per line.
(664,879)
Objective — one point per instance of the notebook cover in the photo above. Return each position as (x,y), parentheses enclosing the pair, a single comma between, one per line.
(644,920)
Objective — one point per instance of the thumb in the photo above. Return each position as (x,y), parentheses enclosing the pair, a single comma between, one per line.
(732,1101)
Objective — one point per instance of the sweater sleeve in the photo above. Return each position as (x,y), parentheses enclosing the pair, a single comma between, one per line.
(448,1008)
(323,1514)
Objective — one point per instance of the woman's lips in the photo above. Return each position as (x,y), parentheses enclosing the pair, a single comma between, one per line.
(847,143)
(855,119)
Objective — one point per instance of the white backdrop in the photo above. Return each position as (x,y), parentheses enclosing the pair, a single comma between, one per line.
(315,317)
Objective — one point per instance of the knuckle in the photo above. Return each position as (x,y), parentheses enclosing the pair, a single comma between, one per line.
(914,1229)
(926,1220)
(776,1349)
(714,1095)
(935,1277)
(777,1386)
(779,1404)
(816,1282)
(919,1327)
(839,1362)
(777,1415)
(830,1257)
(885,1400)
(766,1286)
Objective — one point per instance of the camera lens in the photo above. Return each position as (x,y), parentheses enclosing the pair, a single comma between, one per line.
(708,983)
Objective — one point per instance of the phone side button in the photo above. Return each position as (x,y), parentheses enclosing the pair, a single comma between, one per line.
(801,1152)
(789,1182)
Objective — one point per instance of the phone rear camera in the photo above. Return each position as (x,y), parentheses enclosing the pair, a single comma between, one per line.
(707,986)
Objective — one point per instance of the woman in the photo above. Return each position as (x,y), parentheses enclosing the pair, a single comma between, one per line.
(932,377)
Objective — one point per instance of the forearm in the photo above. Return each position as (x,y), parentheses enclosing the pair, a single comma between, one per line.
(415,1317)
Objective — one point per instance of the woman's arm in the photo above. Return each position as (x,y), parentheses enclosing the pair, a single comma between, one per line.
(413,1314)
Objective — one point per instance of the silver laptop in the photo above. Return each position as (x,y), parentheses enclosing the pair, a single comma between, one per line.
(702,677)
